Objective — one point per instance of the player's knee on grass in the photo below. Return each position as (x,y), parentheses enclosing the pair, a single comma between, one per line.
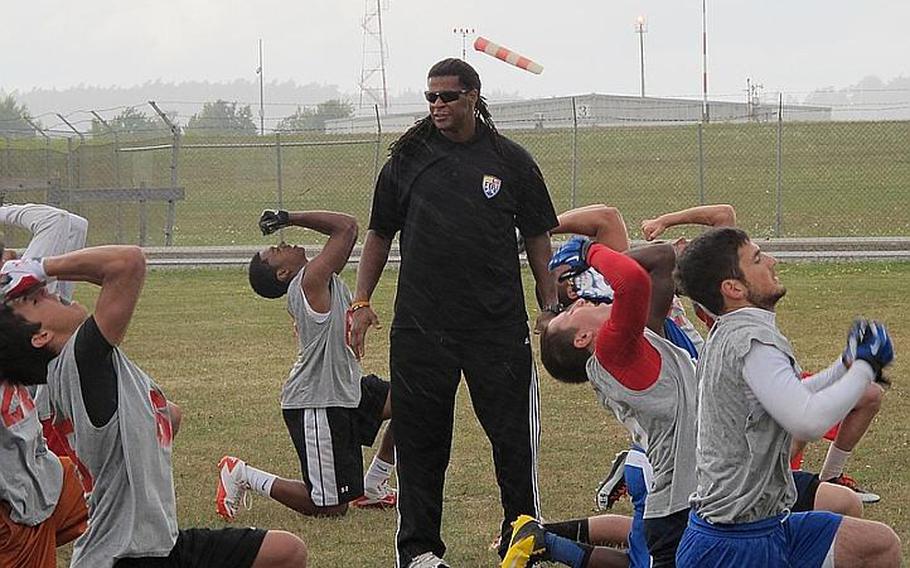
(838,499)
(866,543)
(281,549)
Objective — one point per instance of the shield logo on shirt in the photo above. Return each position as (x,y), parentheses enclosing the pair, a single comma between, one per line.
(491,185)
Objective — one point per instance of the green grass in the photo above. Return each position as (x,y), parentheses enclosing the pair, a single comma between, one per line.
(838,178)
(222,354)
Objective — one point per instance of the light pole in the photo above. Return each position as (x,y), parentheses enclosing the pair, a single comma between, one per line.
(464,33)
(261,93)
(641,30)
(704,61)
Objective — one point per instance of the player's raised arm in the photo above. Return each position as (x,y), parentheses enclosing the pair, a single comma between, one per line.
(604,224)
(119,270)
(342,231)
(719,215)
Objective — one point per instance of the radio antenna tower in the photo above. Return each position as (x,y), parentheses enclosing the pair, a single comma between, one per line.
(373,87)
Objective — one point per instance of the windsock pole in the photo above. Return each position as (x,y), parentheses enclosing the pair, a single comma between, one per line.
(484,45)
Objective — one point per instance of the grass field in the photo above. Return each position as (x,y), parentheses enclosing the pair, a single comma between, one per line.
(837,178)
(222,354)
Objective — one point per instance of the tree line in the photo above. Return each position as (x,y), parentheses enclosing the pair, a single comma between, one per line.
(216,118)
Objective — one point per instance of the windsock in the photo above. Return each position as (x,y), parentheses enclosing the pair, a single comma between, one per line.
(507,55)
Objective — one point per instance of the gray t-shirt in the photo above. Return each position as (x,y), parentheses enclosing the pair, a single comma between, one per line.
(743,454)
(30,475)
(132,509)
(661,419)
(326,373)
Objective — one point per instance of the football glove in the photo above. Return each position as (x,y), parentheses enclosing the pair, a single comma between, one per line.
(593,287)
(19,277)
(270,221)
(875,347)
(573,254)
(854,336)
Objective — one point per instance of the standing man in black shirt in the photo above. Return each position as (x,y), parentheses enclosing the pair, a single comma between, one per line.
(456,190)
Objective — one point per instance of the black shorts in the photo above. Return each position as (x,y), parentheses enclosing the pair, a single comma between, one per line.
(204,548)
(328,442)
(806,488)
(663,535)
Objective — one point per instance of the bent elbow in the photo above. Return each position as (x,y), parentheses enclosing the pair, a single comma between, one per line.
(726,216)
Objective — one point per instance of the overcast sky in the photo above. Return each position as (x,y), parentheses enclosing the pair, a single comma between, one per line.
(584,46)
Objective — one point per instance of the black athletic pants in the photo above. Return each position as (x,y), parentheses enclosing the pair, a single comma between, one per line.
(426,370)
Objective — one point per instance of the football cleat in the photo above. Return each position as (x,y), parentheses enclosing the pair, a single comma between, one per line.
(383,497)
(527,544)
(232,487)
(613,487)
(850,483)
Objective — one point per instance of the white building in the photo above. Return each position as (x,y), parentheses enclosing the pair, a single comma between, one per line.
(596,110)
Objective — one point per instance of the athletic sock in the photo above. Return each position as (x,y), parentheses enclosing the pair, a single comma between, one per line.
(565,551)
(260,481)
(379,472)
(834,463)
(577,530)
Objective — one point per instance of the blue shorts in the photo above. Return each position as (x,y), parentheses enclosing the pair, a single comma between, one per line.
(638,481)
(797,539)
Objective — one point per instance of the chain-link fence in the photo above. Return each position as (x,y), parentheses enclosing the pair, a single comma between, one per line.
(786,178)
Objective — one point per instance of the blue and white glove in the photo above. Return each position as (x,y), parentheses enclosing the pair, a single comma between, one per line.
(854,336)
(875,348)
(19,277)
(593,287)
(573,254)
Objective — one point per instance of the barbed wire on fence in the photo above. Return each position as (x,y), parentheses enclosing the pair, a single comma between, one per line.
(816,178)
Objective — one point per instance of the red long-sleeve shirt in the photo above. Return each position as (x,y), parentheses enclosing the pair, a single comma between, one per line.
(621,347)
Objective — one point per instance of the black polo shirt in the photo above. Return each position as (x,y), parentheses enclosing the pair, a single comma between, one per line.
(456,206)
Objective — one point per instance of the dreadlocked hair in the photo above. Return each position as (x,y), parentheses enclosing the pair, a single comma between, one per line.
(420,133)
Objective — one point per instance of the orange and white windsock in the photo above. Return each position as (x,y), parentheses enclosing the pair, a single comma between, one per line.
(499,52)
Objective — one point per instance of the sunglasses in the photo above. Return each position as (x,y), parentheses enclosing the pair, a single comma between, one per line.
(446,96)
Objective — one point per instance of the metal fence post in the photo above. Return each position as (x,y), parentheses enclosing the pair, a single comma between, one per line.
(115,158)
(143,216)
(6,169)
(47,157)
(175,152)
(378,143)
(778,224)
(279,197)
(69,162)
(701,165)
(574,153)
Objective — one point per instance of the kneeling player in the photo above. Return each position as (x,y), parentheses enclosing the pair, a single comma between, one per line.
(121,420)
(751,404)
(329,407)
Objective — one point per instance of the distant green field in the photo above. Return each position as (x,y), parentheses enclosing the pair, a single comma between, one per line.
(837,178)
(222,354)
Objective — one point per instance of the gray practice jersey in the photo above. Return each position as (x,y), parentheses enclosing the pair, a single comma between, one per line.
(743,454)
(31,477)
(132,509)
(661,419)
(326,372)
